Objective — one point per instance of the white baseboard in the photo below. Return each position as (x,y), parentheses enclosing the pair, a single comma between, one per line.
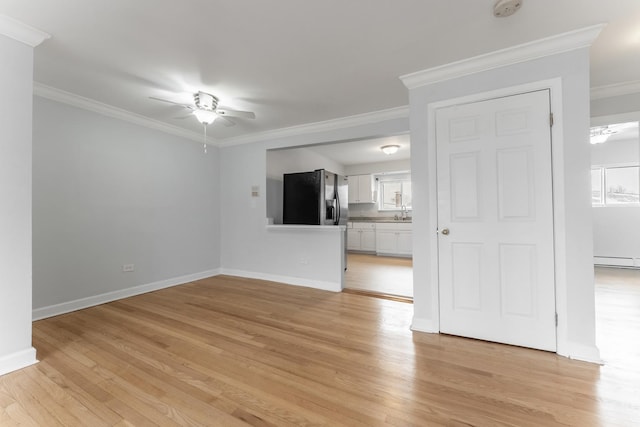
(18,360)
(585,353)
(424,325)
(66,307)
(296,281)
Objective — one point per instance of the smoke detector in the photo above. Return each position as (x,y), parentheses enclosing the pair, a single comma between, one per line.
(504,8)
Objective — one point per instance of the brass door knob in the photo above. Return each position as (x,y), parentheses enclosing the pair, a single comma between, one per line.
(445,231)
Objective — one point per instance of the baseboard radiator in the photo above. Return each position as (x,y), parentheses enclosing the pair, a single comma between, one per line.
(612,261)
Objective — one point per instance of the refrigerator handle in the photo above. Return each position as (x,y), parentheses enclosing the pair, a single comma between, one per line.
(337,204)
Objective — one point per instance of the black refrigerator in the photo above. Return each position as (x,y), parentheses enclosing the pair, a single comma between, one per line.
(315,198)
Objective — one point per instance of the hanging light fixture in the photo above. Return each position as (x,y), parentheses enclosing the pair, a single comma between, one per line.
(390,149)
(205,112)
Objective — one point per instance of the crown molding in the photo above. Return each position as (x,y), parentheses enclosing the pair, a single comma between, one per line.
(21,32)
(553,45)
(617,89)
(78,101)
(324,126)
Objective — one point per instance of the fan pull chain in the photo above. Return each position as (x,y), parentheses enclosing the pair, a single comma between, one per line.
(205,138)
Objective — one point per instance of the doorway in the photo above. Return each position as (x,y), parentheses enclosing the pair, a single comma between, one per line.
(615,197)
(615,192)
(379,208)
(380,233)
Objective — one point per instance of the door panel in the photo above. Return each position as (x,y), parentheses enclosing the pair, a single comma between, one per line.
(465,193)
(466,276)
(516,196)
(517,279)
(496,269)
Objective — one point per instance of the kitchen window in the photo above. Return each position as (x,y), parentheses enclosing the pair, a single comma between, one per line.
(395,194)
(615,185)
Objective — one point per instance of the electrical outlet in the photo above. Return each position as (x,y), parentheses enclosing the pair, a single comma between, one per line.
(304,261)
(126,268)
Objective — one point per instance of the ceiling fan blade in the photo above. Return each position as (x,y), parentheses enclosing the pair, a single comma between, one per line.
(226,121)
(172,102)
(183,117)
(235,113)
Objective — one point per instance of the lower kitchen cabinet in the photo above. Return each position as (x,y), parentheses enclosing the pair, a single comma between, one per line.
(361,236)
(394,239)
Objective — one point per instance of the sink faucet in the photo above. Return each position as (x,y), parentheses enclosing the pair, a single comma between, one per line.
(403,212)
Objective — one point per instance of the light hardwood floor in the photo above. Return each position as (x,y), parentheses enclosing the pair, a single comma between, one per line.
(380,274)
(229,351)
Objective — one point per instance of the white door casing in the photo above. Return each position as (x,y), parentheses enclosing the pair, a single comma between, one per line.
(494,189)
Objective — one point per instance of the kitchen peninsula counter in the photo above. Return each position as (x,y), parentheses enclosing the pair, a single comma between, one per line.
(379,219)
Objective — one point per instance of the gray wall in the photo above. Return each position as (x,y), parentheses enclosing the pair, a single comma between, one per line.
(107,193)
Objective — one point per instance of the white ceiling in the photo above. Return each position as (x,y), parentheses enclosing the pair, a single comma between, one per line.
(293,62)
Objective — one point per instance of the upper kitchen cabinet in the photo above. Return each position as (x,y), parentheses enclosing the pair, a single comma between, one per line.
(362,189)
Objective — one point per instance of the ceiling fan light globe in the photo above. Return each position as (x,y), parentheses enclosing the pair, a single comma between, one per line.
(205,117)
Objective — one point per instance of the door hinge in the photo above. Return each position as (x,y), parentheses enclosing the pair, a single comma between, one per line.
(556,316)
(550,119)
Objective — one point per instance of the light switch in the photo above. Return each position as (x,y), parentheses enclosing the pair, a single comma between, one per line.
(255,191)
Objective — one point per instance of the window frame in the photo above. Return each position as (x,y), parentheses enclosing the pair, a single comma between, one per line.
(388,180)
(602,188)
(603,184)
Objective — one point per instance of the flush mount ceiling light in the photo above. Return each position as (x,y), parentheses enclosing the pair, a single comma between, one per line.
(390,149)
(504,8)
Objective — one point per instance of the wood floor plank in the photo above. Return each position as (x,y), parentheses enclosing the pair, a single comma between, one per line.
(229,351)
(379,274)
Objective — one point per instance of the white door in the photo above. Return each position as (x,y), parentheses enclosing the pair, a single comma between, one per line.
(495,220)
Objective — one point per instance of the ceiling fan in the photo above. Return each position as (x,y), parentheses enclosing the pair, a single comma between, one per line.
(600,134)
(205,109)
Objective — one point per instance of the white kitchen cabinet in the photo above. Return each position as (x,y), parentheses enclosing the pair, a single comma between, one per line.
(368,240)
(362,237)
(394,239)
(362,189)
(353,239)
